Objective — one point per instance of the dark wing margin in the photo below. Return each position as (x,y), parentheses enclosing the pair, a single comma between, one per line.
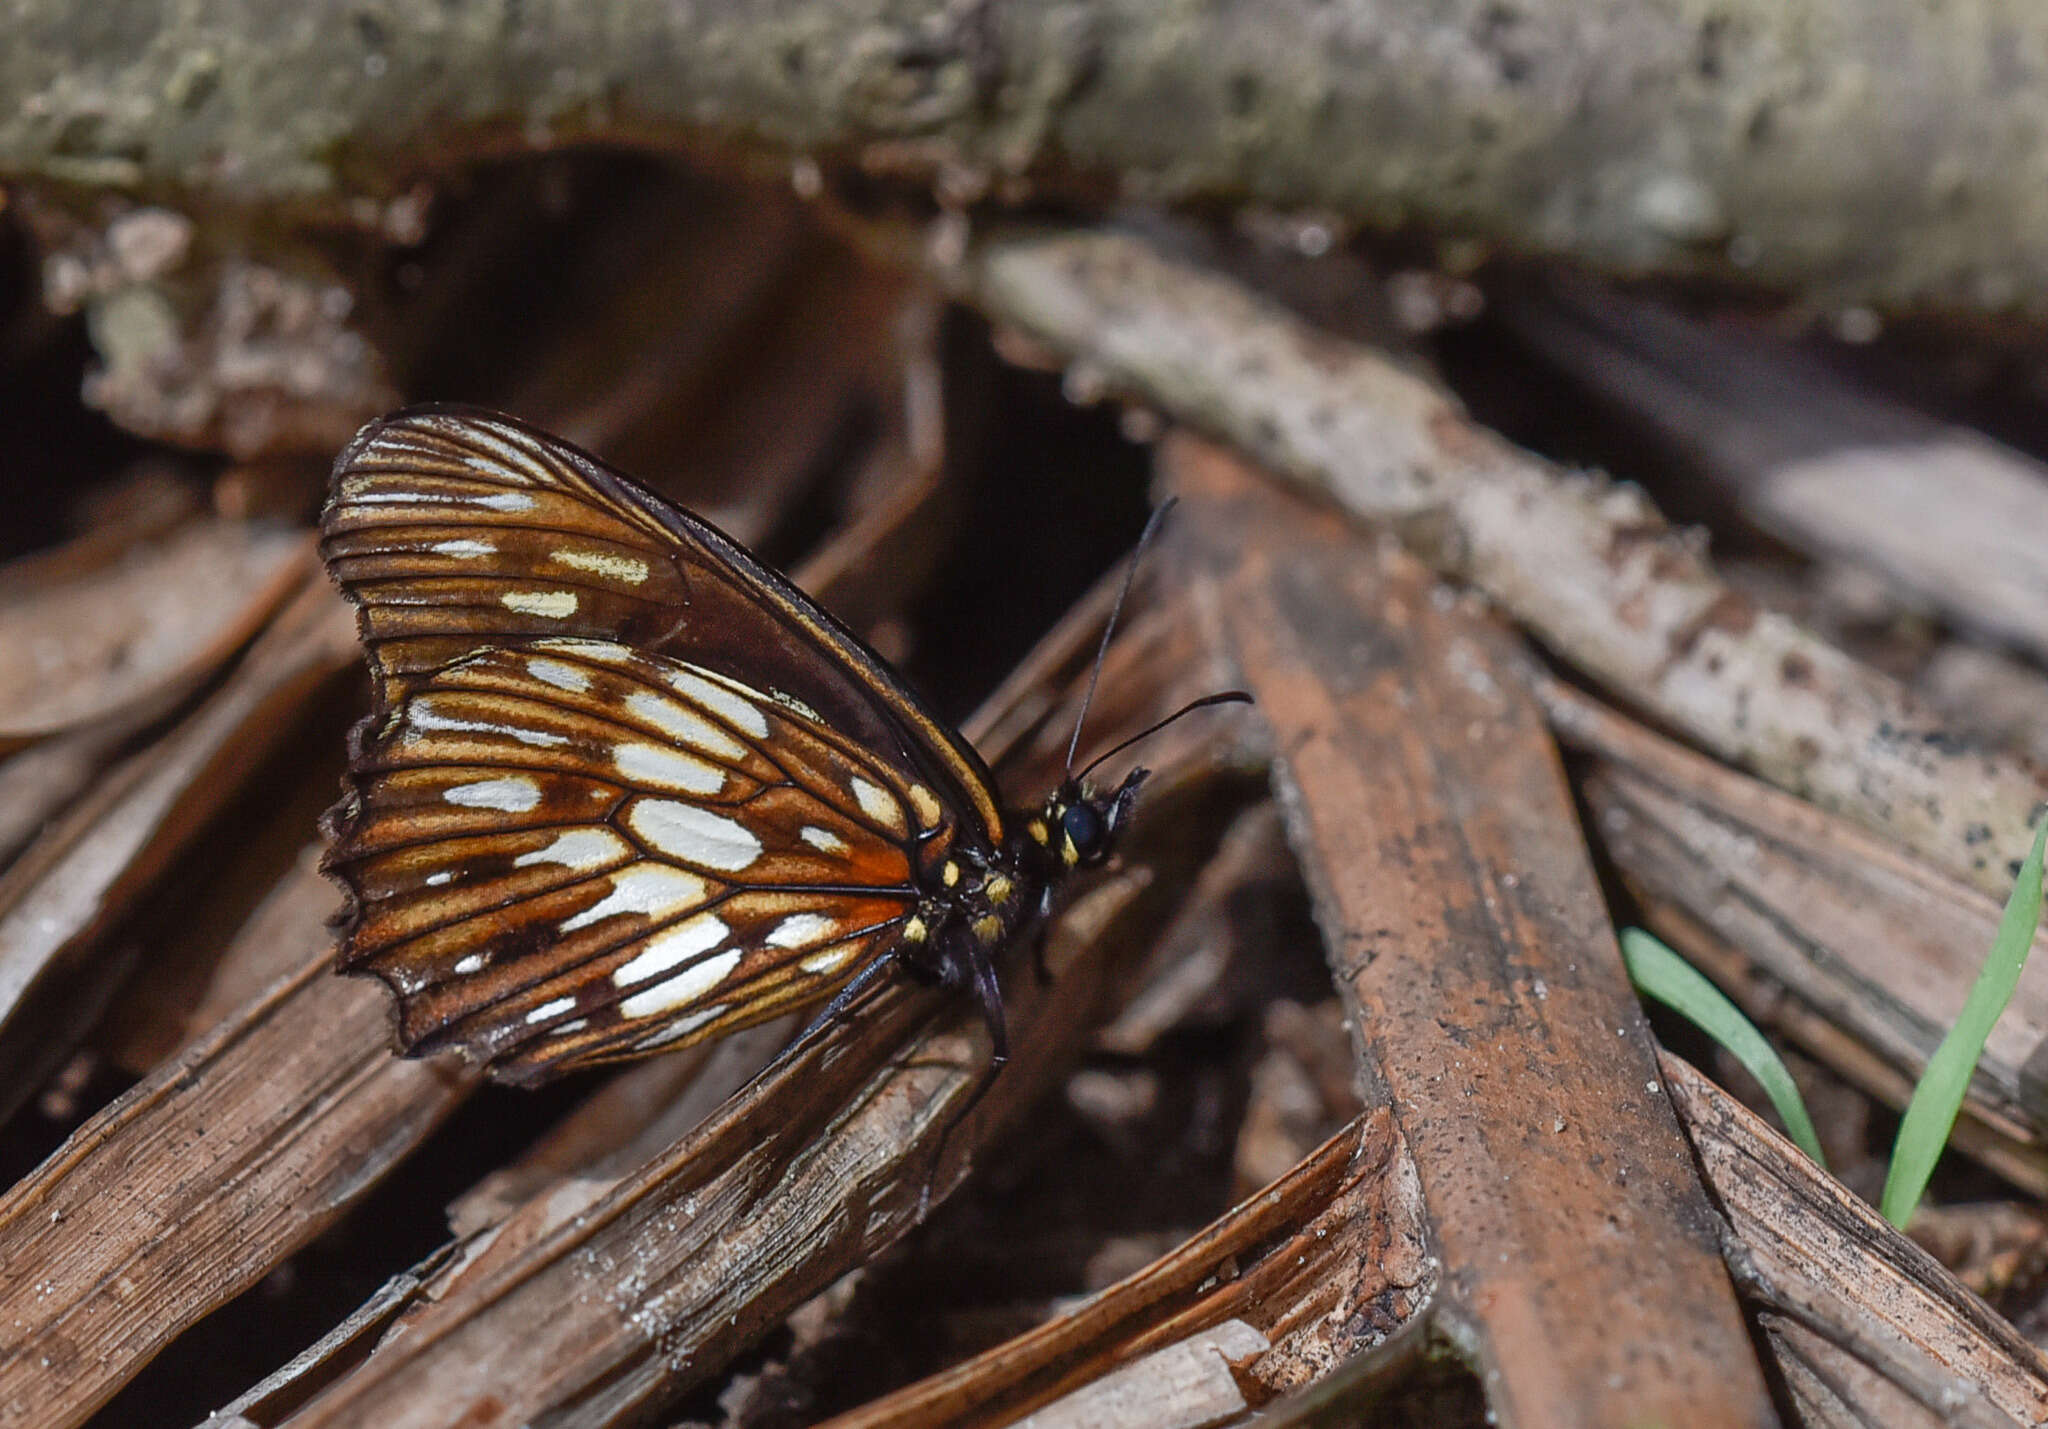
(454,529)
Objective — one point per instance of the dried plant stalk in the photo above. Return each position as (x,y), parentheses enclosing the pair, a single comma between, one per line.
(1465,929)
(1588,566)
(1812,1255)
(1876,950)
(1944,512)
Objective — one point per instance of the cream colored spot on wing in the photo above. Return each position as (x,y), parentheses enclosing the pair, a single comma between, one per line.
(830,960)
(684,725)
(576,848)
(608,652)
(728,704)
(679,1029)
(602,563)
(792,702)
(513,794)
(555,1008)
(465,549)
(425,715)
(876,804)
(800,930)
(502,501)
(649,764)
(561,676)
(670,947)
(682,989)
(647,889)
(548,604)
(823,840)
(694,835)
(364,489)
(928,811)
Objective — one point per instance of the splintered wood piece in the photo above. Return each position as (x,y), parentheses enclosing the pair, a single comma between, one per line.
(278,1394)
(621,1293)
(1864,1299)
(1189,1384)
(193,1186)
(1427,803)
(88,644)
(1590,567)
(1332,1251)
(1877,950)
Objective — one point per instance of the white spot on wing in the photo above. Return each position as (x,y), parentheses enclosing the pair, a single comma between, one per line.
(667,769)
(678,1029)
(474,963)
(647,889)
(551,1009)
(684,724)
(829,961)
(728,704)
(682,989)
(513,794)
(548,604)
(694,835)
(435,880)
(824,840)
(576,848)
(800,930)
(561,676)
(602,563)
(669,948)
(503,501)
(422,714)
(466,549)
(876,804)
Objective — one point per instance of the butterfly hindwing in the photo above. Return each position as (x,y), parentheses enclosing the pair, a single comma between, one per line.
(568,852)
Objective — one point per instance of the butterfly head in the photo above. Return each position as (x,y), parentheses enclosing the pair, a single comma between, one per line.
(1082,822)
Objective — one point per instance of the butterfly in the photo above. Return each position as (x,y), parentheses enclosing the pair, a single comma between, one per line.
(624,788)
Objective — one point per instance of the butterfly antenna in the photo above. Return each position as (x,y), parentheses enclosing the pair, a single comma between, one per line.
(1102,650)
(1221,697)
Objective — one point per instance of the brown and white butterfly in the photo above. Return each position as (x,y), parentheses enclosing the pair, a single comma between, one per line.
(624,788)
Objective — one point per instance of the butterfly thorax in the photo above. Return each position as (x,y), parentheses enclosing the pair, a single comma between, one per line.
(977,902)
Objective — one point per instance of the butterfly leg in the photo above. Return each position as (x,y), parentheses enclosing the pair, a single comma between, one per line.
(1039,966)
(991,994)
(861,981)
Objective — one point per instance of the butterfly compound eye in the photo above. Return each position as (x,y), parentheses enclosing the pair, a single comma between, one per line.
(1083,825)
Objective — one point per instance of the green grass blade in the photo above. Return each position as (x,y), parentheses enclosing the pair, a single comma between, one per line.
(1923,1133)
(1660,973)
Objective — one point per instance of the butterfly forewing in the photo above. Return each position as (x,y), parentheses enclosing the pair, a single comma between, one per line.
(453,530)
